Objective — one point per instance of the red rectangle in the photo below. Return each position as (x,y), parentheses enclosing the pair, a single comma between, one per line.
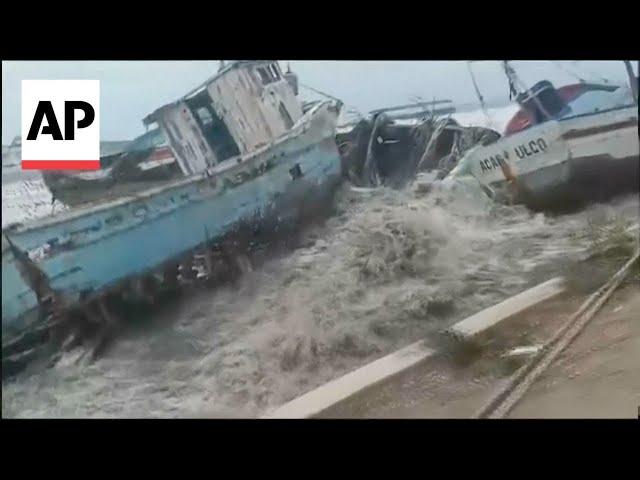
(61,164)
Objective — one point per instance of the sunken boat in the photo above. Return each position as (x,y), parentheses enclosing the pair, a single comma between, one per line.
(392,145)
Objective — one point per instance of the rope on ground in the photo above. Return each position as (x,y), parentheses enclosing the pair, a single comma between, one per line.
(503,402)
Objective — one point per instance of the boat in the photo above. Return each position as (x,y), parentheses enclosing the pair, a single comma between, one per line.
(415,112)
(125,167)
(11,153)
(251,163)
(563,148)
(390,148)
(149,160)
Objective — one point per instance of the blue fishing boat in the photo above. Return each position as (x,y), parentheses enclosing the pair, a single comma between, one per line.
(144,162)
(250,160)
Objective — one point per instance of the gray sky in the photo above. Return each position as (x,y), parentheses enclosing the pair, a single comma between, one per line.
(132,89)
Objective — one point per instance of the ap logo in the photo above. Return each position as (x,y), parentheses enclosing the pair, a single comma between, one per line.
(60,124)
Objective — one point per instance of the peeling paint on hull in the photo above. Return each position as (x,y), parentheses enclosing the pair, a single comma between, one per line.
(90,250)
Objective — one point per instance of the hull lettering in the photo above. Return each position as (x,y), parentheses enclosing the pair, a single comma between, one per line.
(525,150)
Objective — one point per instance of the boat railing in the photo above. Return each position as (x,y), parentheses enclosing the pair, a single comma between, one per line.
(228,166)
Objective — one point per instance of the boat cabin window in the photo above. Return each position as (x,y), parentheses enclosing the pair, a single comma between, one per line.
(269,74)
(288,121)
(542,94)
(598,100)
(212,128)
(274,69)
(264,76)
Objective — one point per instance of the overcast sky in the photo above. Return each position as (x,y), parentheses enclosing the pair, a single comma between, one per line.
(132,89)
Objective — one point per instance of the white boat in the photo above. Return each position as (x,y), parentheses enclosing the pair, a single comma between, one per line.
(564,147)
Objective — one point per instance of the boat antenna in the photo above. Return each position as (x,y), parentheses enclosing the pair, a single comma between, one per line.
(513,79)
(480,97)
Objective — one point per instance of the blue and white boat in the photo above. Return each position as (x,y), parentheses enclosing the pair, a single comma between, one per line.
(249,158)
(124,166)
(563,148)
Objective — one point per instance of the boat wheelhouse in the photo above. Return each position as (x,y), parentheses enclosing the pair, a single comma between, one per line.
(246,105)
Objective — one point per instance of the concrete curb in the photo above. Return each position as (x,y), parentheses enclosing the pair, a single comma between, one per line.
(490,317)
(329,395)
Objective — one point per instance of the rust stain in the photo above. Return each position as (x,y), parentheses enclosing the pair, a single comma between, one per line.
(512,180)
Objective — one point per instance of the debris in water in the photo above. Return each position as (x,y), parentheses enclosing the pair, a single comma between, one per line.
(523,351)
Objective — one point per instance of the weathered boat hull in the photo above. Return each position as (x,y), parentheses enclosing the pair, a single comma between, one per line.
(135,171)
(19,301)
(90,250)
(380,151)
(577,181)
(562,164)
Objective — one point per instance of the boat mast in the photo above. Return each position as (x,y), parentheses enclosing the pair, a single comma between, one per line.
(515,82)
(632,80)
(479,94)
(512,77)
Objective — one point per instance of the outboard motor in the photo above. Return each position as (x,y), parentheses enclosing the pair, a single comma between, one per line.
(292,79)
(547,96)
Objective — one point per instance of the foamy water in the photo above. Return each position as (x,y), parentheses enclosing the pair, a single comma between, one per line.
(25,197)
(390,268)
